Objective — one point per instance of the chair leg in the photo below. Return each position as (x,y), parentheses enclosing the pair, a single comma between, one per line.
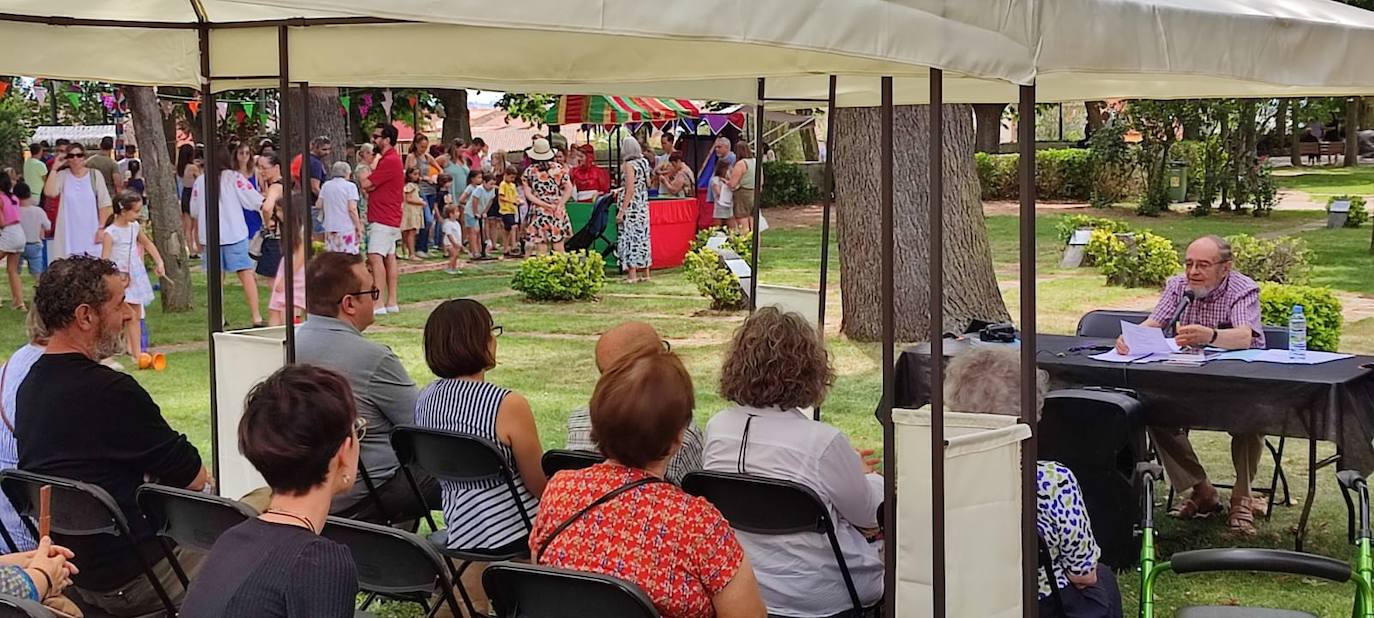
(175,564)
(157,585)
(367,601)
(467,600)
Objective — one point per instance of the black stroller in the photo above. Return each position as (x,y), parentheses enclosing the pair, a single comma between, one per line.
(595,229)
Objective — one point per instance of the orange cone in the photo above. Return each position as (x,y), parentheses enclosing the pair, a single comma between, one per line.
(145,360)
(159,361)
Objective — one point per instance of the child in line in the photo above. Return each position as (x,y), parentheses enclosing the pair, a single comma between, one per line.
(124,243)
(442,200)
(276,307)
(509,209)
(725,197)
(136,183)
(343,230)
(12,241)
(473,216)
(453,237)
(413,215)
(36,227)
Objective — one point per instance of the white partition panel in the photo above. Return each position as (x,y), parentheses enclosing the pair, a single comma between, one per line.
(799,300)
(242,359)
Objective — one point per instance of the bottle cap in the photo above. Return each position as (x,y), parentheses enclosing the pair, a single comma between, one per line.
(1297,308)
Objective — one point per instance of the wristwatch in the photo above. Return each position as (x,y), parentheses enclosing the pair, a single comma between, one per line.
(1215,332)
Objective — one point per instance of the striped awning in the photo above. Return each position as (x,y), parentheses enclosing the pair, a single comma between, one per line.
(607,110)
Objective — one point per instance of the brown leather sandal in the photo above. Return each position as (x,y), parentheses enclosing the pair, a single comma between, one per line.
(1241,520)
(1190,509)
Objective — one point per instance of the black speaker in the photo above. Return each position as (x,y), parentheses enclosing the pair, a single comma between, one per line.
(1099,435)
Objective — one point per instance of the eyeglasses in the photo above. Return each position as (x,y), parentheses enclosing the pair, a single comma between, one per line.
(667,345)
(377,136)
(360,428)
(1204,265)
(497,330)
(374,293)
(76,155)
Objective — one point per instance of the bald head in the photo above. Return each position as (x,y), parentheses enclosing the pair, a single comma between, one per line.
(624,339)
(1207,263)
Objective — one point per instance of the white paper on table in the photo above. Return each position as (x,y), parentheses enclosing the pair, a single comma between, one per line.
(1146,339)
(1313,357)
(1112,356)
(1240,355)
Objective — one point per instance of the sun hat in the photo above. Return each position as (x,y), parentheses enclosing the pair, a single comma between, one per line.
(540,150)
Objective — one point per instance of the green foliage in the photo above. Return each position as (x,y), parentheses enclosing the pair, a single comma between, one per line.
(1157,123)
(997,175)
(786,183)
(1109,161)
(1319,305)
(1060,174)
(705,268)
(579,275)
(528,107)
(1063,173)
(1263,194)
(1281,260)
(14,131)
(1152,262)
(1359,213)
(1068,224)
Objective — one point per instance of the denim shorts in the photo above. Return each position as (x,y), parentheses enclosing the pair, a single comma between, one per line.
(33,256)
(234,258)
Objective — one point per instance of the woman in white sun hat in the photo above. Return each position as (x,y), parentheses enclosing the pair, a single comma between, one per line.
(547,187)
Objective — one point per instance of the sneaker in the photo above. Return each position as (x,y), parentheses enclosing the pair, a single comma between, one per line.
(452,271)
(379,311)
(422,254)
(393,309)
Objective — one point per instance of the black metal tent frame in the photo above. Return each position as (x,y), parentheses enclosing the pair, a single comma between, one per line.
(1026,145)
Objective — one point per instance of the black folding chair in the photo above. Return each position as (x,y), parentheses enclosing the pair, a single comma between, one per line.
(557,460)
(15,607)
(460,458)
(394,564)
(770,506)
(79,509)
(190,519)
(1106,323)
(523,590)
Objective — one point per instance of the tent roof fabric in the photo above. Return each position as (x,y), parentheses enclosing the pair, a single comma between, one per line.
(612,110)
(1071,49)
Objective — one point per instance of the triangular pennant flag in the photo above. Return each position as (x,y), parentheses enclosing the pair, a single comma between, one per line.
(73,87)
(248,107)
(716,122)
(108,101)
(167,107)
(40,94)
(345,101)
(74,98)
(690,124)
(386,102)
(4,87)
(194,106)
(365,105)
(239,116)
(221,110)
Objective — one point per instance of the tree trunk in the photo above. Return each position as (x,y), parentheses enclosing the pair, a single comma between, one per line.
(1352,131)
(988,122)
(971,290)
(164,207)
(811,146)
(1294,138)
(457,123)
(326,118)
(1280,124)
(1096,115)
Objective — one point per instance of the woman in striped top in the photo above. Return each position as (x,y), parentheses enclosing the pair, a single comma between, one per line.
(460,347)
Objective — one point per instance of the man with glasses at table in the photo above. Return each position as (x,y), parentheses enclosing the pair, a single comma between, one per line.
(1224,313)
(340,295)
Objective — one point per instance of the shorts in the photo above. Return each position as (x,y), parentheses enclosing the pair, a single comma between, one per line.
(744,203)
(508,221)
(723,210)
(470,221)
(270,258)
(234,258)
(186,201)
(494,210)
(12,239)
(33,256)
(382,239)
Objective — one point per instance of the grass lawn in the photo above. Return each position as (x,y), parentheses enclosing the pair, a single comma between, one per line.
(1320,182)
(546,354)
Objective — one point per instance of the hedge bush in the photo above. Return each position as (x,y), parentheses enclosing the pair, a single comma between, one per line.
(787,184)
(1320,306)
(579,275)
(1069,224)
(1152,263)
(1060,174)
(1281,260)
(705,268)
(1359,213)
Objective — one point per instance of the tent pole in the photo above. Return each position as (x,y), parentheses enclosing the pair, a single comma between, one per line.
(936,230)
(888,297)
(758,200)
(283,129)
(1029,547)
(828,198)
(214,286)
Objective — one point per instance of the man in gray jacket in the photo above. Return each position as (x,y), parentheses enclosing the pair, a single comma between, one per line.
(339,297)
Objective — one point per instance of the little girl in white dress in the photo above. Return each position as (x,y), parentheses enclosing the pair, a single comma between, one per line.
(124,243)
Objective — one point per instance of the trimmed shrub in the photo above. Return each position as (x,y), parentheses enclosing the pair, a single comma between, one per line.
(1281,260)
(706,269)
(1069,224)
(1152,262)
(1321,308)
(997,175)
(579,275)
(787,184)
(1359,214)
(1060,174)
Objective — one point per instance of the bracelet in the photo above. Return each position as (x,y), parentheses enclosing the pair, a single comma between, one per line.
(1215,332)
(47,578)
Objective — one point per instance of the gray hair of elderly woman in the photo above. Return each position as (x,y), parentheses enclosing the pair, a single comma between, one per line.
(33,326)
(340,169)
(630,149)
(987,380)
(365,149)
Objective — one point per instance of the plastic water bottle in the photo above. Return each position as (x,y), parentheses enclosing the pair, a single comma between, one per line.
(1297,335)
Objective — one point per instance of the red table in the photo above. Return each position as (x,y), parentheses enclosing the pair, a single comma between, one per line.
(672,227)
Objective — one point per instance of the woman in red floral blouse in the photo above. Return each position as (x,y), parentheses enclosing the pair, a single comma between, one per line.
(676,547)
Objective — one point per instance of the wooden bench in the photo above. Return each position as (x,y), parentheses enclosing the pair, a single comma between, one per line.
(1314,151)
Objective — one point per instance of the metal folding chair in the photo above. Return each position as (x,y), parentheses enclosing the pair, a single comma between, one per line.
(394,564)
(518,590)
(557,460)
(188,518)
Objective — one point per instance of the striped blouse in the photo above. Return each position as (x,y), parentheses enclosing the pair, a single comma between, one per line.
(479,514)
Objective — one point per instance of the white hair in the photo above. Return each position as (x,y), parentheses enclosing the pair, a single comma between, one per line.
(987,380)
(630,149)
(340,169)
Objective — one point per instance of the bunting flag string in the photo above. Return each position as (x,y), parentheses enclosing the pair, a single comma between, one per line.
(108,101)
(74,98)
(40,94)
(221,110)
(4,88)
(386,102)
(194,106)
(248,107)
(345,100)
(239,116)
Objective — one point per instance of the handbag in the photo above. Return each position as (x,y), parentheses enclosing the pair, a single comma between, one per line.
(255,245)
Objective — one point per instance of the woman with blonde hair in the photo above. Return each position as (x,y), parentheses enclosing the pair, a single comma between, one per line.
(776,371)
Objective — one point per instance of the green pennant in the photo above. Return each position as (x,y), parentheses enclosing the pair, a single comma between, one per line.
(248,107)
(345,99)
(74,98)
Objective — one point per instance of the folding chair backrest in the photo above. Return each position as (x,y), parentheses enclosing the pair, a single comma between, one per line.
(389,561)
(520,590)
(14,607)
(449,455)
(760,505)
(1106,323)
(558,459)
(1275,338)
(190,518)
(78,509)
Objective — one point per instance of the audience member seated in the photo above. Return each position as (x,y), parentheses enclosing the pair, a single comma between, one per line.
(620,341)
(460,348)
(300,429)
(775,371)
(12,374)
(340,296)
(987,380)
(84,421)
(621,518)
(40,575)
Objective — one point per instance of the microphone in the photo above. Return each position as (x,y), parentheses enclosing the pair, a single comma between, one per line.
(1171,328)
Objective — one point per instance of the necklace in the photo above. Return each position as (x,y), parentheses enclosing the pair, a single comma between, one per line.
(300,518)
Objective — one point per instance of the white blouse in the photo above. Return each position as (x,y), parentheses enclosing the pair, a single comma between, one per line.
(236,195)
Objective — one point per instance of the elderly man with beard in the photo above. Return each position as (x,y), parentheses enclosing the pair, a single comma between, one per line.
(81,420)
(1223,312)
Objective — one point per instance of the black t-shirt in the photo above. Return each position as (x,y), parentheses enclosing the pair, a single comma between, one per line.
(259,569)
(90,423)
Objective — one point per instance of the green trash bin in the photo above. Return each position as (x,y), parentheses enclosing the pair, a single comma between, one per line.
(1178,181)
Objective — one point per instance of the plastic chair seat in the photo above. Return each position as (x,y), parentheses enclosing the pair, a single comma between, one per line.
(1232,611)
(520,548)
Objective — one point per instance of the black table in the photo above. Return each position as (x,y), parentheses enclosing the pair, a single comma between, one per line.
(1332,401)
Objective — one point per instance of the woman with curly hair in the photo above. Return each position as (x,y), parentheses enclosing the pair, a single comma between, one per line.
(776,371)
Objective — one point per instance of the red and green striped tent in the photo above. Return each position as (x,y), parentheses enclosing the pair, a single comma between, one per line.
(605,110)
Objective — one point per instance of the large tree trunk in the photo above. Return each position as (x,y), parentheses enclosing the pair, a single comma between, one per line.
(326,118)
(164,207)
(1280,125)
(988,122)
(971,290)
(1352,131)
(1096,115)
(1294,137)
(457,123)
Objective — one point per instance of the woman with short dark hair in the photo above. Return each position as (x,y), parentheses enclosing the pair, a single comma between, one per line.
(621,518)
(460,348)
(300,430)
(776,371)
